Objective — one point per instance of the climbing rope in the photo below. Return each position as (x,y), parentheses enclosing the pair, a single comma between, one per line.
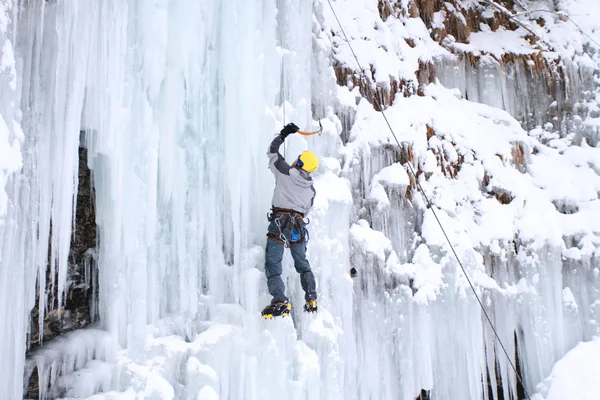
(282,87)
(563,16)
(430,206)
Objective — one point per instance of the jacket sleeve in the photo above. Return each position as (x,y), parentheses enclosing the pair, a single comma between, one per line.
(312,201)
(276,161)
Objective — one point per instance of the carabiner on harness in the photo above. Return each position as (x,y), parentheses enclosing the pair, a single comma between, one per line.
(282,237)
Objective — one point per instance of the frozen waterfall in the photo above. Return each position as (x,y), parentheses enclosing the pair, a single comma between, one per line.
(176,102)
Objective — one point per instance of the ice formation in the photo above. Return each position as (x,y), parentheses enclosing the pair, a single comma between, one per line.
(177,102)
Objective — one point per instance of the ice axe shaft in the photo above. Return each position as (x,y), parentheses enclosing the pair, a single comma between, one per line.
(312,132)
(307,133)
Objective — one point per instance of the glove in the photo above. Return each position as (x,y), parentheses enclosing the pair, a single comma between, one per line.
(289,129)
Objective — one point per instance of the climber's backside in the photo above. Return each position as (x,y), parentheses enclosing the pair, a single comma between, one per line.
(292,199)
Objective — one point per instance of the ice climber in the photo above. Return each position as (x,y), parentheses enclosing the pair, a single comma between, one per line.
(292,199)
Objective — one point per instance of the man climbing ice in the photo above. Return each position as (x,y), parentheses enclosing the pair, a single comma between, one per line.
(292,199)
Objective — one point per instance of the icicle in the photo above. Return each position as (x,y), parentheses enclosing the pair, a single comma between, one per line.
(179,100)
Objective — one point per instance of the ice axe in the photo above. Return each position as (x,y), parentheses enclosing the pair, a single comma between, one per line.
(313,132)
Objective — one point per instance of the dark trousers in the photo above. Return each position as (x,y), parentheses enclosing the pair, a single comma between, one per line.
(273,257)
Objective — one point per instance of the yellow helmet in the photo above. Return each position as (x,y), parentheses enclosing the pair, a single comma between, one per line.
(308,161)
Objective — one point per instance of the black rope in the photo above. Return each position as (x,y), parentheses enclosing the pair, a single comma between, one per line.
(430,206)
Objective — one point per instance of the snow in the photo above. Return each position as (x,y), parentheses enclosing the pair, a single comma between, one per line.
(428,279)
(376,43)
(331,188)
(77,362)
(179,101)
(574,376)
(394,175)
(497,43)
(369,240)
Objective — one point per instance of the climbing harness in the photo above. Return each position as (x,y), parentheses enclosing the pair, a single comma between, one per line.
(291,227)
(430,206)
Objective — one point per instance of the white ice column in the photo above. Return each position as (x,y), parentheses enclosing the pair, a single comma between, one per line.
(295,33)
(47,83)
(180,108)
(17,282)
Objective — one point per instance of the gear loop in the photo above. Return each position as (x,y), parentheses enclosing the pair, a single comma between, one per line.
(290,227)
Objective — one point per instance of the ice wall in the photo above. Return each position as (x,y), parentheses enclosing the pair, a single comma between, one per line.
(533,92)
(178,101)
(15,279)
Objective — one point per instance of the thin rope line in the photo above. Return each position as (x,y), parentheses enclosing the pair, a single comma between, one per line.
(581,30)
(560,14)
(512,16)
(282,75)
(282,88)
(430,206)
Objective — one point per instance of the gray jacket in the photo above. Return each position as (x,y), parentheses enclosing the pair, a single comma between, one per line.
(294,187)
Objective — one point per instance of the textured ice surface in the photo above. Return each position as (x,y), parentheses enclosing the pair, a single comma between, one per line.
(15,287)
(179,100)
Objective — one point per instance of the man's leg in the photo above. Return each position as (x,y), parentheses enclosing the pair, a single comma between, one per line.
(307,278)
(273,257)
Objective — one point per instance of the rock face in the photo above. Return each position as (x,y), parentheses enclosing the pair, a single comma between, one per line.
(538,87)
(79,308)
(543,92)
(83,291)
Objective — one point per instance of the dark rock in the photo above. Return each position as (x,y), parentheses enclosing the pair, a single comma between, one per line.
(424,395)
(81,291)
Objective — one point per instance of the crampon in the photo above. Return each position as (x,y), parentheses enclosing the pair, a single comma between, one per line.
(310,306)
(276,310)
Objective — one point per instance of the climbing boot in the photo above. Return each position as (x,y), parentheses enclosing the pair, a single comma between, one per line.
(310,306)
(281,309)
